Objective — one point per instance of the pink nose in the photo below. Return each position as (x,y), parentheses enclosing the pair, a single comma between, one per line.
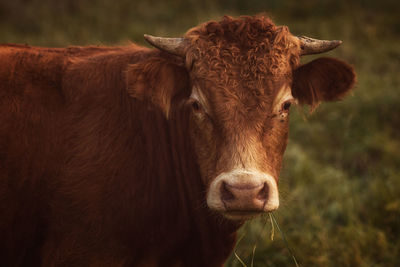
(244,196)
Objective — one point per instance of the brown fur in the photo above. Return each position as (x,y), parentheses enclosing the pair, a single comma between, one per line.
(240,65)
(104,161)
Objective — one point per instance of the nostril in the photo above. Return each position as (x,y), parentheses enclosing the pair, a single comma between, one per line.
(263,194)
(226,194)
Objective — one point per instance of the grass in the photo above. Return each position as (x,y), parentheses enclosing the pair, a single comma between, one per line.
(273,221)
(260,235)
(340,183)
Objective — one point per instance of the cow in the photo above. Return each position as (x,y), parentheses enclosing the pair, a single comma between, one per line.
(131,156)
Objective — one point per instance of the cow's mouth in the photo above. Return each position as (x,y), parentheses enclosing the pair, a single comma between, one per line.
(241,215)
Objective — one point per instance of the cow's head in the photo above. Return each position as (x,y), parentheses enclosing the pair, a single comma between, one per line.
(244,76)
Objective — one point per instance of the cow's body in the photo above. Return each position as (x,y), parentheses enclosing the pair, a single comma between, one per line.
(65,143)
(115,156)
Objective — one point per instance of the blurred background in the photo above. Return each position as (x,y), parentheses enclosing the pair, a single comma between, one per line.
(340,184)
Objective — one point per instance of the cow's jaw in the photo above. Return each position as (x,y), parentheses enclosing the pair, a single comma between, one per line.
(241,194)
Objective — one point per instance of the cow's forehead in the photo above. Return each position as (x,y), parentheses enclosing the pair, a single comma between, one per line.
(249,50)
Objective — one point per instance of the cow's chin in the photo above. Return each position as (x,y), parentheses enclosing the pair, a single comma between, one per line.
(241,215)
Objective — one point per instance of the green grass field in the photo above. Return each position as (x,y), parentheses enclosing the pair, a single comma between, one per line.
(340,184)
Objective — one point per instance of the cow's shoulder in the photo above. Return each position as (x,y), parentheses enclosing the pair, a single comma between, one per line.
(101,73)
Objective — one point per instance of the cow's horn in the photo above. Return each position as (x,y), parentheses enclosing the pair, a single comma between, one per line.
(311,46)
(174,46)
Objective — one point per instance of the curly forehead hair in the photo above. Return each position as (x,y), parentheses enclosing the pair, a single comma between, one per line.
(248,49)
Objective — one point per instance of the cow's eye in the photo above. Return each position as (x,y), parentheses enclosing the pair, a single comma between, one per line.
(286,105)
(196,106)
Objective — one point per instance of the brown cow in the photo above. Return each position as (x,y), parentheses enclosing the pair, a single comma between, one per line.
(129,156)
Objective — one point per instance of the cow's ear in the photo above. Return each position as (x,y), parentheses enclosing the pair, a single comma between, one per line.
(323,79)
(156,80)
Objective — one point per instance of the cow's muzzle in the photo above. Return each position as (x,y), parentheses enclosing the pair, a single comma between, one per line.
(243,194)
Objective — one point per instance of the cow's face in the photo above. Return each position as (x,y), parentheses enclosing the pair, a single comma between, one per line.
(244,76)
(240,99)
(240,135)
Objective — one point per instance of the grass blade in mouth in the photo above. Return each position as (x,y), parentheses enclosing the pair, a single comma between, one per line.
(236,255)
(252,255)
(239,259)
(272,226)
(284,239)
